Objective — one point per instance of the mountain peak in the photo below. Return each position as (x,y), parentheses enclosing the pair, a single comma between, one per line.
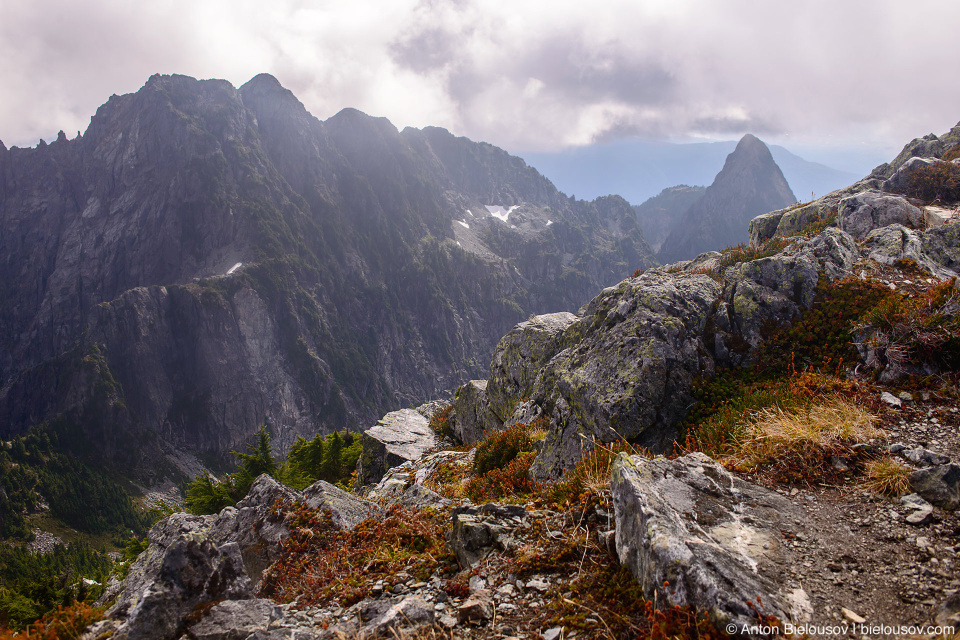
(749,184)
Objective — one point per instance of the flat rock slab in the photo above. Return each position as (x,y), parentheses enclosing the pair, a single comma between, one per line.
(694,534)
(397,437)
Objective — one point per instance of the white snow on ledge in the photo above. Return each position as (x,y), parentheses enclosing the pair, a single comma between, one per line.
(499,212)
(549,222)
(234,268)
(465,225)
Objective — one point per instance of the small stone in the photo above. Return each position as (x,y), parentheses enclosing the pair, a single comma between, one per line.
(553,633)
(538,583)
(851,616)
(905,397)
(477,583)
(890,399)
(479,606)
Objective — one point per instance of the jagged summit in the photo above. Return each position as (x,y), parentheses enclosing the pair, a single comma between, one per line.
(227,260)
(749,184)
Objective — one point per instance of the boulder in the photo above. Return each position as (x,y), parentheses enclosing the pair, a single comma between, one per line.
(764,226)
(635,353)
(519,357)
(235,620)
(775,289)
(472,416)
(346,509)
(398,482)
(397,437)
(900,181)
(941,247)
(861,213)
(194,571)
(694,534)
(479,531)
(938,485)
(252,527)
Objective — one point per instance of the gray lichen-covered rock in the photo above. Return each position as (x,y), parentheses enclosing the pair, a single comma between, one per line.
(235,620)
(861,213)
(941,246)
(940,485)
(397,437)
(520,355)
(404,484)
(193,571)
(251,526)
(472,415)
(479,531)
(900,181)
(635,352)
(694,534)
(346,509)
(775,289)
(146,567)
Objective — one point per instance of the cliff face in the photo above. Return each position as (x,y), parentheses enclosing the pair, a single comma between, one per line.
(749,184)
(204,260)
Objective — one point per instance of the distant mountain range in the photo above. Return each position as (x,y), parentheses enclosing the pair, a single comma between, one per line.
(639,170)
(205,260)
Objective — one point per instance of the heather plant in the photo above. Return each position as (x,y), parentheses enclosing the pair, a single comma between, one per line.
(939,181)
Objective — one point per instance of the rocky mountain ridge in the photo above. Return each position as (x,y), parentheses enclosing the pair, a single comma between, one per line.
(204,260)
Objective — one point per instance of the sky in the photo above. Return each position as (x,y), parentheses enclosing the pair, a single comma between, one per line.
(847,76)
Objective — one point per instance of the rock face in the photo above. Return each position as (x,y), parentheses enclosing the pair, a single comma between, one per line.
(750,184)
(694,534)
(659,215)
(398,437)
(205,260)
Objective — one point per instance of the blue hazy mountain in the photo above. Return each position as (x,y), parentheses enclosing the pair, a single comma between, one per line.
(639,170)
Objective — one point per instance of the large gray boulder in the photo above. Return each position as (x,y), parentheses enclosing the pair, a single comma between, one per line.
(235,620)
(519,357)
(193,571)
(774,290)
(694,534)
(861,213)
(941,246)
(252,527)
(900,181)
(628,373)
(346,509)
(405,484)
(397,437)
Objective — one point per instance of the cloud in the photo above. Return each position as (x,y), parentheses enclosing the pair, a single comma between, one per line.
(523,74)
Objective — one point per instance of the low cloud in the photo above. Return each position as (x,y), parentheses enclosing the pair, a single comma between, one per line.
(521,74)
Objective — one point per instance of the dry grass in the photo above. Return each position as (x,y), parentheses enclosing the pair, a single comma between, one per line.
(888,477)
(775,433)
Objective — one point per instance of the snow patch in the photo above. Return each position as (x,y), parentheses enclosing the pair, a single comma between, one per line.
(499,212)
(465,225)
(234,268)
(549,222)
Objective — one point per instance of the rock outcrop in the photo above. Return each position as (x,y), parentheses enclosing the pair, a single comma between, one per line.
(211,564)
(397,437)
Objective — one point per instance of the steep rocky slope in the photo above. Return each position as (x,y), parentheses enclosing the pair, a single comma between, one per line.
(749,184)
(660,214)
(204,260)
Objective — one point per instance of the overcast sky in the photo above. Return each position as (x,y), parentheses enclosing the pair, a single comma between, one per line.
(525,75)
